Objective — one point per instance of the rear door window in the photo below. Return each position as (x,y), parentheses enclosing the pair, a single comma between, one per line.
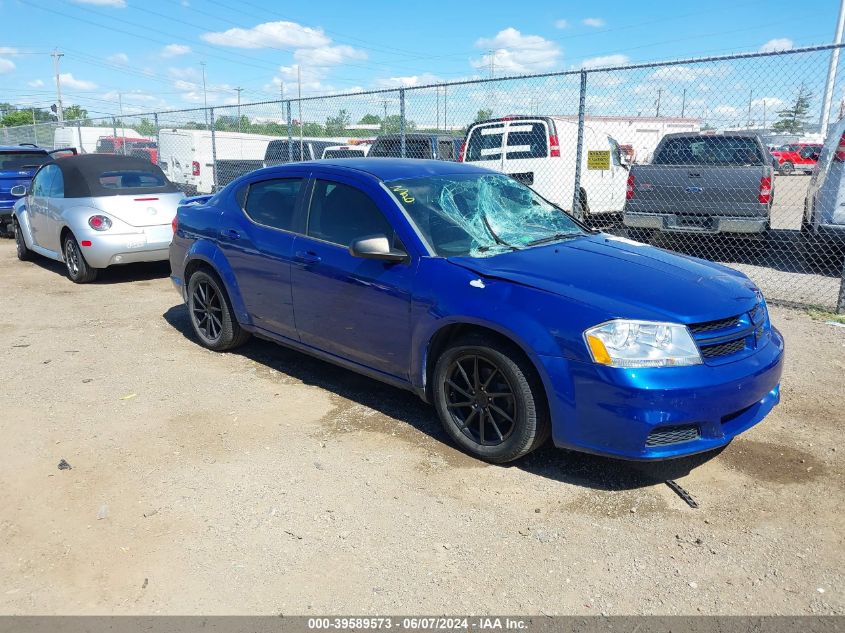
(273,202)
(279,151)
(527,140)
(485,143)
(19,161)
(710,150)
(392,147)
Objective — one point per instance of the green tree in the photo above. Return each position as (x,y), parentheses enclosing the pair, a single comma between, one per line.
(146,128)
(791,120)
(76,113)
(336,125)
(393,125)
(484,114)
(13,118)
(370,119)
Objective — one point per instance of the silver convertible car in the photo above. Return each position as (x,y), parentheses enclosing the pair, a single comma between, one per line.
(96,210)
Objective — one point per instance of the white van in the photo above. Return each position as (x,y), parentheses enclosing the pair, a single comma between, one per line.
(823,224)
(84,138)
(540,152)
(187,158)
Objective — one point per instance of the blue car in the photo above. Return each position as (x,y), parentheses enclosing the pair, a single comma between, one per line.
(18,164)
(466,287)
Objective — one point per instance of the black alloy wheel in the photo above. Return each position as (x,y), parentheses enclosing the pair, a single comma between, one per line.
(207,311)
(481,400)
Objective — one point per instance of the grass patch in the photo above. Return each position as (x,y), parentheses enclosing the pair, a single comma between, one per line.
(820,314)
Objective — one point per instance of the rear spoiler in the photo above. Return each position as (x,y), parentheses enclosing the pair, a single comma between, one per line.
(194,200)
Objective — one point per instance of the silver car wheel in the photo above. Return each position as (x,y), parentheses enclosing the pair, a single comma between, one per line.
(72,258)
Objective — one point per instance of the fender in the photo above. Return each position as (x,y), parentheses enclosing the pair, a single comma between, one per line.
(21,214)
(211,254)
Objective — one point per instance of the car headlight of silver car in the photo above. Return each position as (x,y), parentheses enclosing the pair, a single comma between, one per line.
(625,343)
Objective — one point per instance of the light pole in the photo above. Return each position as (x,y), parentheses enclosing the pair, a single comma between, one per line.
(239,90)
(57,56)
(204,95)
(831,71)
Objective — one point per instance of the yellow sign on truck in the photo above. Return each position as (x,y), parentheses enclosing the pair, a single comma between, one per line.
(598,159)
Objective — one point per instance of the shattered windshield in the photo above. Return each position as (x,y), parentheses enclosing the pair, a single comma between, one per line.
(481,214)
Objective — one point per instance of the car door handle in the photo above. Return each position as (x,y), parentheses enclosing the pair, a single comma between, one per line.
(230,234)
(308,257)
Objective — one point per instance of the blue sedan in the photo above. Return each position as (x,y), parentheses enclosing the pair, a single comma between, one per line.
(466,287)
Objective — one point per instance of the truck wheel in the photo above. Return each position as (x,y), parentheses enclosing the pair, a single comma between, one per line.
(786,169)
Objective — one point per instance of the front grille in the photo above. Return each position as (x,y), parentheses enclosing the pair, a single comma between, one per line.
(723,349)
(713,326)
(672,435)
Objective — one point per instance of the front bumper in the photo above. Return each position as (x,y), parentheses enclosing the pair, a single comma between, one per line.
(150,244)
(679,223)
(618,412)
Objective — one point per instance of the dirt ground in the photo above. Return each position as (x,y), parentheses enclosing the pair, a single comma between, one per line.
(267,482)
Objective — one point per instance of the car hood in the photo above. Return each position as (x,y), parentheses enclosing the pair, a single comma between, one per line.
(626,279)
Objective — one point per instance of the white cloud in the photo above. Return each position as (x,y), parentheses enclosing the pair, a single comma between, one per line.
(188,73)
(117,4)
(514,52)
(6,66)
(594,22)
(561,24)
(175,50)
(121,59)
(605,60)
(771,103)
(689,73)
(408,81)
(35,83)
(327,55)
(777,44)
(726,110)
(270,35)
(69,81)
(8,50)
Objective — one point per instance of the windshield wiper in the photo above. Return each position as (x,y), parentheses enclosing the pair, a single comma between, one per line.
(553,238)
(493,234)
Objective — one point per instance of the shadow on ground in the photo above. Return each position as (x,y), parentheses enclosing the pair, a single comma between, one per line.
(113,275)
(579,469)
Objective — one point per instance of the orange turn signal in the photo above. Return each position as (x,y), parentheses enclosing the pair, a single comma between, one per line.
(598,350)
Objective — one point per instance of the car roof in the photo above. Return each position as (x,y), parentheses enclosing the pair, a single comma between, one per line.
(82,174)
(22,148)
(394,168)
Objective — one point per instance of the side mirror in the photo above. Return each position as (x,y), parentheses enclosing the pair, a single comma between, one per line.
(376,247)
(18,191)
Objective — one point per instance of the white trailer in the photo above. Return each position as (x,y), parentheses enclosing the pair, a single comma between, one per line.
(639,135)
(187,157)
(84,138)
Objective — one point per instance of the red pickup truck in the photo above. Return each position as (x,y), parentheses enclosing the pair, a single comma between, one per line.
(796,157)
(142,147)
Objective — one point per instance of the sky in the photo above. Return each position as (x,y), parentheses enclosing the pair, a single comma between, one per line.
(148,55)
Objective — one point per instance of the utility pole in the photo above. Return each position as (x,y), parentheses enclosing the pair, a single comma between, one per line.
(239,90)
(282,89)
(659,95)
(684,103)
(764,114)
(34,128)
(204,95)
(831,71)
(299,91)
(384,120)
(750,97)
(122,128)
(57,56)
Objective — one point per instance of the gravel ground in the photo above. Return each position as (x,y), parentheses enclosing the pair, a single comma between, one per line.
(267,482)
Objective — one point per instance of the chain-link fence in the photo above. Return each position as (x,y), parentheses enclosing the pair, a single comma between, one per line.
(722,158)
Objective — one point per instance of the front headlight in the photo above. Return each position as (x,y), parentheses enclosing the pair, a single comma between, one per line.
(623,343)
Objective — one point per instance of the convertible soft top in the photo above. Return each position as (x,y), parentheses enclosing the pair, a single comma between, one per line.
(93,175)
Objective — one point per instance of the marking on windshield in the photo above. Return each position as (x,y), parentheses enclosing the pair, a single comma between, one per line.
(403,193)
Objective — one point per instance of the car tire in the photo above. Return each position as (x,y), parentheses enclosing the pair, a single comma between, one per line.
(23,252)
(820,256)
(211,314)
(490,400)
(78,269)
(787,168)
